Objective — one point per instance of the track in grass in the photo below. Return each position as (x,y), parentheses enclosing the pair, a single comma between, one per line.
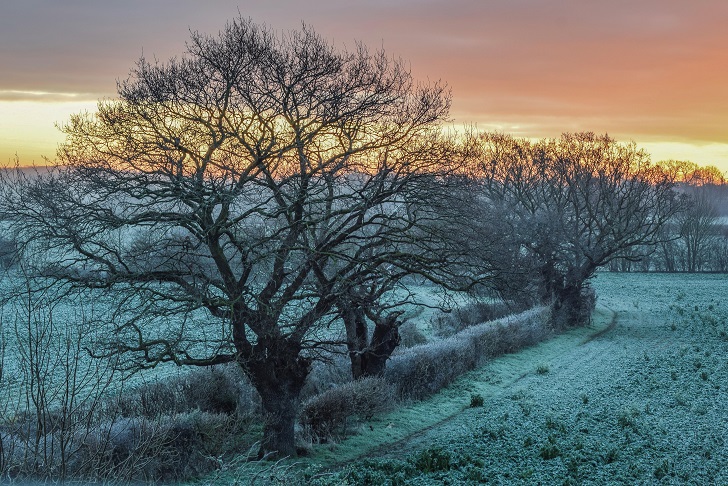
(642,403)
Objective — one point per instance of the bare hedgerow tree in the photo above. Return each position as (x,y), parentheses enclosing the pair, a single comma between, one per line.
(572,205)
(234,202)
(696,229)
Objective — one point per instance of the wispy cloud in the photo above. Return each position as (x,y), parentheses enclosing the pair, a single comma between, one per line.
(43,96)
(647,70)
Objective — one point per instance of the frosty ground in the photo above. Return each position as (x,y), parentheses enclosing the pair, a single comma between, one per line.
(638,398)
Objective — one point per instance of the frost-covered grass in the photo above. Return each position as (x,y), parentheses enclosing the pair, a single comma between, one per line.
(643,403)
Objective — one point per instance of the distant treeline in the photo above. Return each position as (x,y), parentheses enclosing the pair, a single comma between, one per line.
(696,239)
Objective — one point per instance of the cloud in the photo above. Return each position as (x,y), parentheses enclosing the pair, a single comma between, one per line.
(653,68)
(44,96)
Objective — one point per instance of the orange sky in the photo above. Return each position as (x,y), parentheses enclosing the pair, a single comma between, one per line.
(652,71)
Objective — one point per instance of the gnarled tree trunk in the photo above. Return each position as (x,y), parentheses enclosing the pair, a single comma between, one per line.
(369,357)
(278,373)
(383,343)
(573,305)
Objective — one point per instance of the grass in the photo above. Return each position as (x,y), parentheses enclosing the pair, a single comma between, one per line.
(494,379)
(637,403)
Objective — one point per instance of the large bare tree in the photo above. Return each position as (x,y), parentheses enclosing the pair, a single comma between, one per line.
(235,202)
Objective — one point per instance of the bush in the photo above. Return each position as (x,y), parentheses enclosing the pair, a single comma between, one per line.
(325,416)
(474,313)
(168,448)
(161,431)
(433,459)
(542,369)
(410,335)
(218,389)
(476,400)
(423,370)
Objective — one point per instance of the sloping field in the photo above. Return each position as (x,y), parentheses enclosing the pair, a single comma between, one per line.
(643,402)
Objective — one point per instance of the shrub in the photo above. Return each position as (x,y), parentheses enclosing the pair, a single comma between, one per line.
(410,335)
(325,416)
(474,313)
(433,459)
(220,389)
(423,370)
(168,448)
(217,389)
(476,400)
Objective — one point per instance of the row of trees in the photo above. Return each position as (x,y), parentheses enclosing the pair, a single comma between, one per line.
(696,238)
(266,199)
(565,208)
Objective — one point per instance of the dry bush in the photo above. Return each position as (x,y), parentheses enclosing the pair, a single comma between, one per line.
(423,370)
(221,389)
(326,416)
(169,430)
(510,334)
(217,389)
(474,313)
(410,335)
(165,449)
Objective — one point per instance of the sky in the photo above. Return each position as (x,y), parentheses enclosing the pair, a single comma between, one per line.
(650,71)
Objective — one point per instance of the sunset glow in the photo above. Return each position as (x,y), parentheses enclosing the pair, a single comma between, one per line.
(652,71)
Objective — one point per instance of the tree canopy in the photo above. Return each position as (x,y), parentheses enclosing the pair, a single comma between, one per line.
(232,198)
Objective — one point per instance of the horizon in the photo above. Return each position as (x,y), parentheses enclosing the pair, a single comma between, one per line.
(652,72)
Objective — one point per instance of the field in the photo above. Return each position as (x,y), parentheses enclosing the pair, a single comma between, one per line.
(637,397)
(640,401)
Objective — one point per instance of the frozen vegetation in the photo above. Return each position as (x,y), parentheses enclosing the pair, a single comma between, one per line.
(271,208)
(641,403)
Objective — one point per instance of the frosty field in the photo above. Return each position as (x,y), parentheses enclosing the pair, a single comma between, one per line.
(642,402)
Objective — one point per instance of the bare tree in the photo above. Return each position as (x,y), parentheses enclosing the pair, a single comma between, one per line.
(573,205)
(230,202)
(696,229)
(54,391)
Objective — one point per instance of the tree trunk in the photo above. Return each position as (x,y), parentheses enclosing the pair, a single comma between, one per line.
(369,358)
(278,373)
(551,283)
(357,339)
(573,306)
(384,341)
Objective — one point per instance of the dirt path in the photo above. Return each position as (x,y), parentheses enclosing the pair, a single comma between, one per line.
(569,355)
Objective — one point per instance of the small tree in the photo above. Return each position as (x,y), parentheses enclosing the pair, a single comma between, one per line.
(696,229)
(232,200)
(573,205)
